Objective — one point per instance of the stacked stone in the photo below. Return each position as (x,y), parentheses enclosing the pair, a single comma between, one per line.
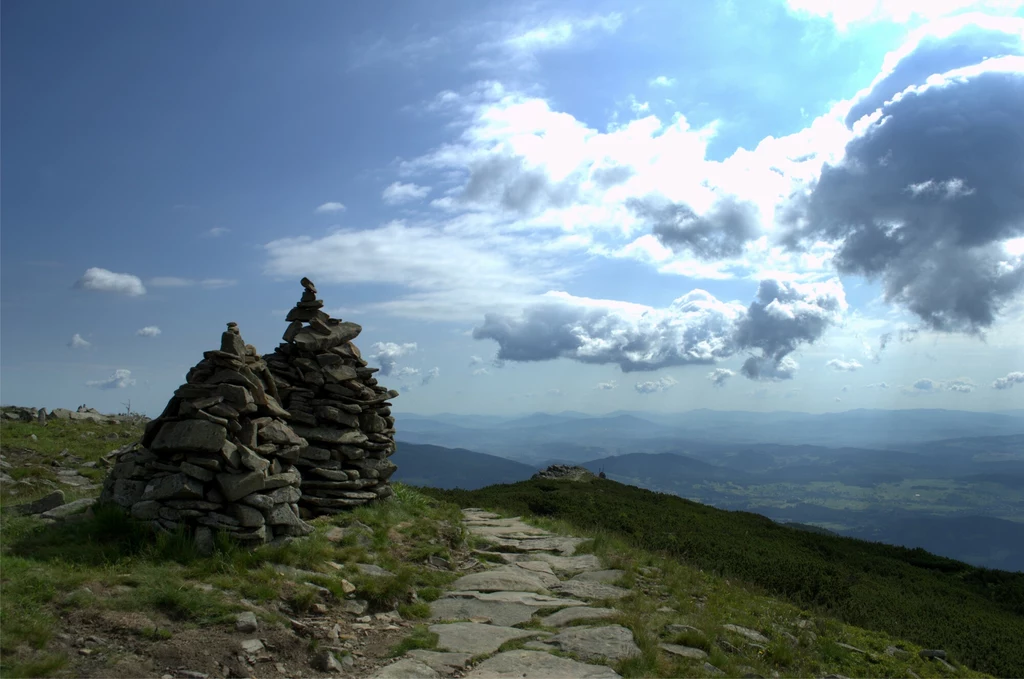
(336,405)
(220,457)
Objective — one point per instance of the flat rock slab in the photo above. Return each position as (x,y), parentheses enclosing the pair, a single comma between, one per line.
(747,633)
(501,579)
(476,513)
(590,590)
(406,668)
(566,565)
(565,545)
(535,566)
(501,613)
(569,615)
(475,638)
(525,598)
(611,642)
(374,570)
(440,662)
(538,665)
(606,576)
(684,651)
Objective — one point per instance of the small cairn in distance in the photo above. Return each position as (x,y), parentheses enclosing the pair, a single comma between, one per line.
(337,406)
(219,458)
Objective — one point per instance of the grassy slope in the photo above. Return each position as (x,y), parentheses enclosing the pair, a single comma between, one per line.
(975,614)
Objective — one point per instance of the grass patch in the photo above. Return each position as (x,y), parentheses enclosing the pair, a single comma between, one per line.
(419,610)
(43,666)
(420,637)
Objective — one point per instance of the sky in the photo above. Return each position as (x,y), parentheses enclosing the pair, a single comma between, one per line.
(808,205)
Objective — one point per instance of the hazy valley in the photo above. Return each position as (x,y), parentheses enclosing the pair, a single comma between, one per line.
(951,482)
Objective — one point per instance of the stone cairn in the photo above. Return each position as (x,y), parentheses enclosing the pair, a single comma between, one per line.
(221,456)
(335,404)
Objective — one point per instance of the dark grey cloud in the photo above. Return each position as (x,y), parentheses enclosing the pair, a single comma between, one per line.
(966,46)
(890,208)
(718,234)
(696,328)
(506,181)
(609,176)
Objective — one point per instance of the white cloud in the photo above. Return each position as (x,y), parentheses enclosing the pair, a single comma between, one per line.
(475,360)
(719,376)
(217,231)
(148,331)
(328,208)
(878,385)
(429,376)
(78,342)
(663,384)
(388,353)
(662,81)
(102,280)
(119,380)
(405,373)
(397,192)
(526,41)
(844,13)
(607,386)
(215,283)
(843,365)
(481,371)
(1009,380)
(961,385)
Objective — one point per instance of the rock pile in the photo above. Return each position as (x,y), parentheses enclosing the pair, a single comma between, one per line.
(564,471)
(336,404)
(220,457)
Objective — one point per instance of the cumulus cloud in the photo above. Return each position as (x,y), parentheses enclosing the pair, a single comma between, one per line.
(429,376)
(404,373)
(475,360)
(696,328)
(910,205)
(217,231)
(329,208)
(102,280)
(720,233)
(397,193)
(606,386)
(961,385)
(388,353)
(878,385)
(148,331)
(663,384)
(78,342)
(719,376)
(662,81)
(119,380)
(1009,380)
(843,365)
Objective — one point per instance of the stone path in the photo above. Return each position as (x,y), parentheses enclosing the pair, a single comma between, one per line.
(531,572)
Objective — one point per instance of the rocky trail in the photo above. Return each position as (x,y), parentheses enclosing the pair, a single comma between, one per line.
(512,589)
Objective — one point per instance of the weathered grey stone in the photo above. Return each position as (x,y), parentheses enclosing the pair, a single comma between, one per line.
(331,474)
(315,454)
(125,492)
(334,436)
(590,590)
(246,622)
(526,598)
(406,668)
(684,651)
(310,341)
(251,460)
(66,510)
(503,578)
(570,615)
(197,436)
(287,494)
(373,569)
(566,565)
(747,633)
(174,487)
(520,664)
(354,606)
(237,486)
(611,642)
(502,613)
(474,638)
(247,516)
(146,510)
(259,501)
(196,471)
(287,478)
(445,663)
(282,515)
(927,653)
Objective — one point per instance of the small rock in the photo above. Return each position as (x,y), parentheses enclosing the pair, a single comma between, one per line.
(246,622)
(324,661)
(373,570)
(708,667)
(684,651)
(251,646)
(33,437)
(347,587)
(895,652)
(747,633)
(85,651)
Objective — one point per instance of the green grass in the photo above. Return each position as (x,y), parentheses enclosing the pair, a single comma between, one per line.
(420,637)
(977,615)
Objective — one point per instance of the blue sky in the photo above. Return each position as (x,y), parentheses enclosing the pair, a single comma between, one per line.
(528,206)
